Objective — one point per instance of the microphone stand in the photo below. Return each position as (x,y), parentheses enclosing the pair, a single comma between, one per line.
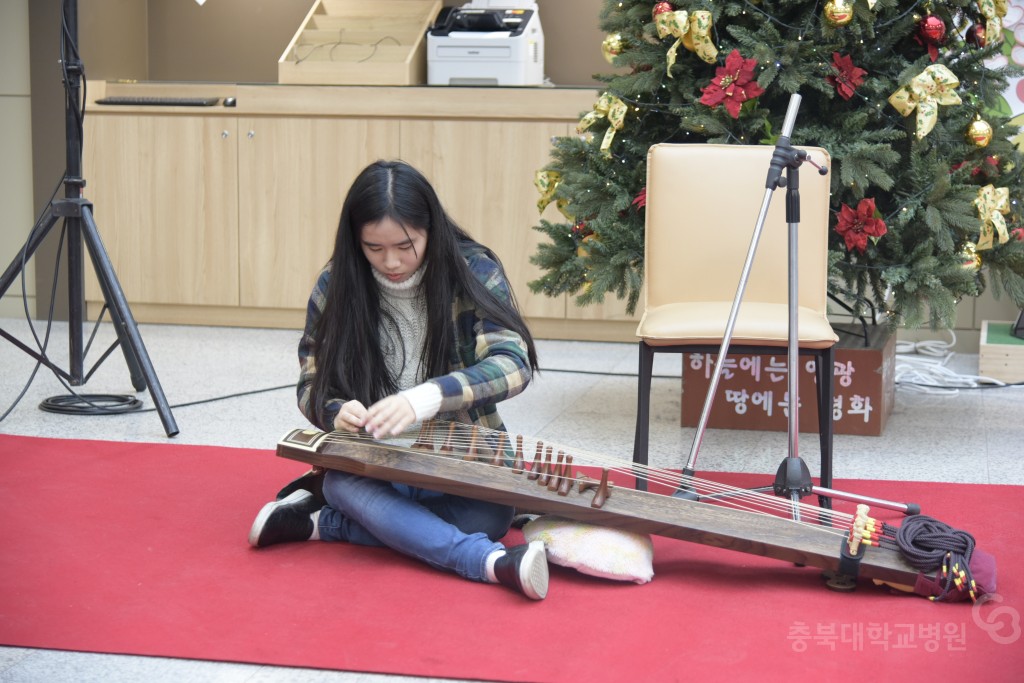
(793,479)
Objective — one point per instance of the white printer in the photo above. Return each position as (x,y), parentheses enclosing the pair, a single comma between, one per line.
(487,42)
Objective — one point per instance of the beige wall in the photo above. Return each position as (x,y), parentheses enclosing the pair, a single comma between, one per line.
(114,38)
(17,215)
(240,41)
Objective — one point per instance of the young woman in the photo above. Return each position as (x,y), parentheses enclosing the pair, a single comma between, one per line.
(411,319)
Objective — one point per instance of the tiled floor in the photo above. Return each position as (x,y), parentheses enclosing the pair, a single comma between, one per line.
(585,396)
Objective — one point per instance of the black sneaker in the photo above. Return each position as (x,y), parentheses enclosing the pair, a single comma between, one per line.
(284,521)
(525,569)
(312,481)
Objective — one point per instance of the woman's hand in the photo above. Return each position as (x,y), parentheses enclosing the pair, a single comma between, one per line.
(351,417)
(389,416)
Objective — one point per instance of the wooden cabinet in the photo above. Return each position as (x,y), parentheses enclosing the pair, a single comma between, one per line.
(483,171)
(165,197)
(224,215)
(293,175)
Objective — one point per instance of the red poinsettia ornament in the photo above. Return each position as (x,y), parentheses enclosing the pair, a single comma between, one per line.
(855,227)
(640,201)
(732,85)
(846,77)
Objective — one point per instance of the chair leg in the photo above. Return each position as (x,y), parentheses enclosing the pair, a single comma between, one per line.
(824,369)
(643,411)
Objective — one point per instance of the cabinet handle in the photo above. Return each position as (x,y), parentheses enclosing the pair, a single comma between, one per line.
(224,134)
(252,134)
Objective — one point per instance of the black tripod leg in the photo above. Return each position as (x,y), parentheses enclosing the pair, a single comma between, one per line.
(138,378)
(123,319)
(39,232)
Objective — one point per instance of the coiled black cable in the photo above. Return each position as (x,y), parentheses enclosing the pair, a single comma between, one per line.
(929,545)
(90,404)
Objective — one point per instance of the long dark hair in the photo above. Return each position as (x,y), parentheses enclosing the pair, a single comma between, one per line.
(349,358)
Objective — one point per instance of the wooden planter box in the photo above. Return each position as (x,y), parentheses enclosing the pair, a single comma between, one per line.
(753,390)
(354,42)
(1000,354)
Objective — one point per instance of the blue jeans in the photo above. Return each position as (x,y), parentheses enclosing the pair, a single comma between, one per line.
(445,531)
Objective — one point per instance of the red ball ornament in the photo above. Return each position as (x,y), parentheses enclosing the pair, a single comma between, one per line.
(975,36)
(932,30)
(661,8)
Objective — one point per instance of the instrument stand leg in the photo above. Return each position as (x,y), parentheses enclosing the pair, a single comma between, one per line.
(80,228)
(792,479)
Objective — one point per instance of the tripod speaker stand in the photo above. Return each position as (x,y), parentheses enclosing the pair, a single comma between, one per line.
(80,228)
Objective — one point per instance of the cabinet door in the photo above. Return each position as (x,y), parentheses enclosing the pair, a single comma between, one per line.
(293,176)
(165,198)
(483,171)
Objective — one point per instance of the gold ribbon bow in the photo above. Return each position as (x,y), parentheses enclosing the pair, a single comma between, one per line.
(925,92)
(692,30)
(993,11)
(992,203)
(698,40)
(546,183)
(610,107)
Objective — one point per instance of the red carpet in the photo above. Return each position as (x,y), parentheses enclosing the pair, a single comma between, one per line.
(141,549)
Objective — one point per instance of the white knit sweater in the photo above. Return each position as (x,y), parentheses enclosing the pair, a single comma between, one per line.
(403,341)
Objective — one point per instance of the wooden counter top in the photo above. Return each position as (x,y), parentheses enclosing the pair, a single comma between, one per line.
(428,102)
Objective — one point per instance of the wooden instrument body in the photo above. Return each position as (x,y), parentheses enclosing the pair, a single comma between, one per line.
(758,534)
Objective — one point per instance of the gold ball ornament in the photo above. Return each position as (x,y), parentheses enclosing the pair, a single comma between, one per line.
(969,258)
(612,47)
(838,12)
(979,133)
(583,250)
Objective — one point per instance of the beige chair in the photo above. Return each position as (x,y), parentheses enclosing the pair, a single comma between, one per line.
(703,202)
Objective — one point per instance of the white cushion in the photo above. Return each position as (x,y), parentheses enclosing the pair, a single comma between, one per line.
(594,550)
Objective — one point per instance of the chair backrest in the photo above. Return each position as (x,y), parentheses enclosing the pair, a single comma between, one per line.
(703,201)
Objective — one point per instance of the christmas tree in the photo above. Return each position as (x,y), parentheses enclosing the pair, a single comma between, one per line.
(906,97)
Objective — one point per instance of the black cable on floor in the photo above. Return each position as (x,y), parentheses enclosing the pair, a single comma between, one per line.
(222,398)
(109,404)
(1004,385)
(113,404)
(90,404)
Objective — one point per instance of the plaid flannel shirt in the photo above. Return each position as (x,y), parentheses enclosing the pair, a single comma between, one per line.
(488,363)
